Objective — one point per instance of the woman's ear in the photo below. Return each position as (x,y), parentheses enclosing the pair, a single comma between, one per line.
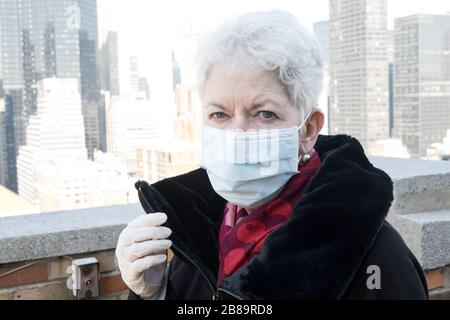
(312,131)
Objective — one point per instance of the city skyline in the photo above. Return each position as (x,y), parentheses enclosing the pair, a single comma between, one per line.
(167,23)
(42,39)
(103,122)
(139,102)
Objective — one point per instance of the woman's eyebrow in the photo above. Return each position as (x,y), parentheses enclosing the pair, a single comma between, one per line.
(257,104)
(217,105)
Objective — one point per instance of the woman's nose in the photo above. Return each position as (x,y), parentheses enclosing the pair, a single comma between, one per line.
(240,123)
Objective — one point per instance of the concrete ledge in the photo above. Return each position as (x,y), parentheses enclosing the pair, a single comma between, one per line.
(399,169)
(54,234)
(428,236)
(419,185)
(420,212)
(421,207)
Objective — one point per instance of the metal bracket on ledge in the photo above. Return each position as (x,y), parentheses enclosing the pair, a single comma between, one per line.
(84,278)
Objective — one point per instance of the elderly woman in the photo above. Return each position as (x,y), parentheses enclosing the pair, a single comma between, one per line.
(277,210)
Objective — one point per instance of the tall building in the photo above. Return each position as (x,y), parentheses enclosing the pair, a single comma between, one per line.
(109,64)
(84,183)
(134,74)
(3,161)
(49,38)
(359,69)
(56,131)
(391,53)
(8,171)
(53,167)
(16,55)
(94,131)
(186,119)
(46,38)
(88,47)
(131,121)
(167,159)
(422,81)
(103,144)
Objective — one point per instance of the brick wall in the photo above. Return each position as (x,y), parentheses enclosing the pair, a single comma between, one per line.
(54,236)
(438,281)
(46,278)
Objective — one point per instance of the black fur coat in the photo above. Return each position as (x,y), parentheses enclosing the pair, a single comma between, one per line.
(326,249)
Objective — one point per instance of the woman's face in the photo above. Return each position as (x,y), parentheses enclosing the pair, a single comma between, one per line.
(252,100)
(247,99)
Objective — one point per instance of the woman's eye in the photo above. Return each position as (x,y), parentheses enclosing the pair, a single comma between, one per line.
(218,115)
(267,115)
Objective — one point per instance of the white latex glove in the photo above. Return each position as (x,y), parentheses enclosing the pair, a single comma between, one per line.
(142,255)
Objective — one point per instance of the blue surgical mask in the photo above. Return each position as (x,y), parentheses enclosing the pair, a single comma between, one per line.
(250,168)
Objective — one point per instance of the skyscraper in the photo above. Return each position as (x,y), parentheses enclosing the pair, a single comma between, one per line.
(53,168)
(41,39)
(390,49)
(55,132)
(166,159)
(359,69)
(15,79)
(8,171)
(134,74)
(422,81)
(131,121)
(87,48)
(187,117)
(3,162)
(109,52)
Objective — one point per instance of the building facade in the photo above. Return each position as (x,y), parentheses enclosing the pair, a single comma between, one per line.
(422,81)
(56,131)
(359,69)
(43,39)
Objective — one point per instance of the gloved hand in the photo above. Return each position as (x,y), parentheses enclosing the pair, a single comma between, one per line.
(142,254)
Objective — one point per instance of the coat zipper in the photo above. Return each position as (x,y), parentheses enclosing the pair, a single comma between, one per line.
(229,293)
(196,266)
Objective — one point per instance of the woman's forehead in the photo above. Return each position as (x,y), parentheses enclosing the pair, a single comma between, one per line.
(253,85)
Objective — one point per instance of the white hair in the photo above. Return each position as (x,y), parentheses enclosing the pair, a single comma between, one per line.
(268,40)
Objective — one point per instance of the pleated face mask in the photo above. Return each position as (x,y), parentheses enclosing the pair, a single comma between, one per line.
(250,168)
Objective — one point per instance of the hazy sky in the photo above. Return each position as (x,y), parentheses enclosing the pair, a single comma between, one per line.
(131,13)
(149,29)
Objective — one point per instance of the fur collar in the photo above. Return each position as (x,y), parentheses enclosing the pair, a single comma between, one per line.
(314,255)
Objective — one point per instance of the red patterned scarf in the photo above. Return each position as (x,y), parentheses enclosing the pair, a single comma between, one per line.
(242,235)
